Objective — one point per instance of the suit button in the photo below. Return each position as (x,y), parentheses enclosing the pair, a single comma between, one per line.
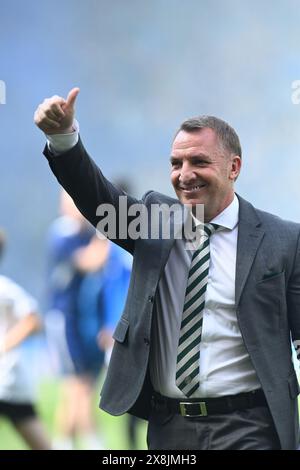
(150,298)
(146,341)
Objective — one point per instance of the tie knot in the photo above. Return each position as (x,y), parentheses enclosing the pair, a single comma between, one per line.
(209,229)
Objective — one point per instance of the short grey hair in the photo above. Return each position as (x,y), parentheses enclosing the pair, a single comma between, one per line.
(227,136)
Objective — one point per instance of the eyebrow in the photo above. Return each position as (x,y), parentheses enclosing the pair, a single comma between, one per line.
(200,156)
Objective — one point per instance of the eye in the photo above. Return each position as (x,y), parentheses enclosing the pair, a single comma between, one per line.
(175,164)
(200,162)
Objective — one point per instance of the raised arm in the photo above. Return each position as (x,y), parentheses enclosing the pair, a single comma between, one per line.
(77,172)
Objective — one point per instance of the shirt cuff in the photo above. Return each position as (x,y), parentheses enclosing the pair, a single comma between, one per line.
(60,143)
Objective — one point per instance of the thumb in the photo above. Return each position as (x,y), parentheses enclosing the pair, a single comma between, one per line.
(72,97)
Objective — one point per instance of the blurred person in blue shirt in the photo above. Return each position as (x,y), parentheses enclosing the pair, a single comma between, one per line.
(67,234)
(87,285)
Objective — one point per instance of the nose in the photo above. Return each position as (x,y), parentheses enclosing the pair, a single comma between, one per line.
(187,174)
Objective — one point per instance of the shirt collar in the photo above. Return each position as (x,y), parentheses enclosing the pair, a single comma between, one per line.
(228,218)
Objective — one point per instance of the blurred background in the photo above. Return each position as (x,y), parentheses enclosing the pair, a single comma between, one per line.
(142,67)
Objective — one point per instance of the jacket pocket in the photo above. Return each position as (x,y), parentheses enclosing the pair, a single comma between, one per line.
(120,332)
(271,278)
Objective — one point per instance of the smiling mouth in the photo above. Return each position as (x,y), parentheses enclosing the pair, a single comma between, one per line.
(192,189)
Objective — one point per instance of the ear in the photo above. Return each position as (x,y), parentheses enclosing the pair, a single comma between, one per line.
(235,168)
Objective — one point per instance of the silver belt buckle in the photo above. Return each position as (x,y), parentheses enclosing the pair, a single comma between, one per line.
(202,408)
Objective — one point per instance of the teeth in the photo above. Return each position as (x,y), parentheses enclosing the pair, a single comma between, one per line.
(193,188)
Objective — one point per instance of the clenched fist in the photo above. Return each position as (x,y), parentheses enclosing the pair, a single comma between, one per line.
(56,115)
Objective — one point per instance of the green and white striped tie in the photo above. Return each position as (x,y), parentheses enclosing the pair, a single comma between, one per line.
(187,368)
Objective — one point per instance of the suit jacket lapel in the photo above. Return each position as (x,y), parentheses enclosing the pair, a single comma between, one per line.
(249,239)
(161,248)
(182,226)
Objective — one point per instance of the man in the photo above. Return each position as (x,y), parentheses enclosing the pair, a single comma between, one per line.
(203,347)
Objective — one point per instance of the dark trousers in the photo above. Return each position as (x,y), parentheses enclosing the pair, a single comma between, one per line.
(250,429)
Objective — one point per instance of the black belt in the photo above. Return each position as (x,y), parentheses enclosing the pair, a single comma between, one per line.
(208,406)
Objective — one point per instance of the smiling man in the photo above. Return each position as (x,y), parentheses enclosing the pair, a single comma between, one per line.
(202,350)
(204,167)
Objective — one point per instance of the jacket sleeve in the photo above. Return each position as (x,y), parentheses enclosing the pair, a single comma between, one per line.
(78,174)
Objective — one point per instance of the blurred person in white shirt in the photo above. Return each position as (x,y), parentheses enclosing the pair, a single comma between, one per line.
(18,320)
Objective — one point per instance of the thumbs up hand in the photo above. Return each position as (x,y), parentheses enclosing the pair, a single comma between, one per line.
(56,115)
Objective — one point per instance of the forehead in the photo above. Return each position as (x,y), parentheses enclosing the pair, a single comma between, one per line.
(205,140)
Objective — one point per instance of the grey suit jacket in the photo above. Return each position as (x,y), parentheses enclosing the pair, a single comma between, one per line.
(267,297)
